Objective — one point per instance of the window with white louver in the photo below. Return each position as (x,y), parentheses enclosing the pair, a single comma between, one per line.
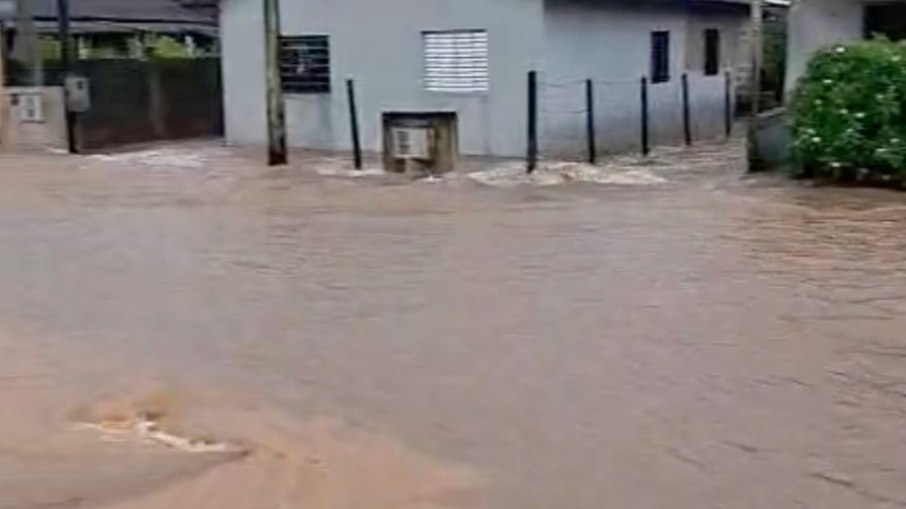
(456,61)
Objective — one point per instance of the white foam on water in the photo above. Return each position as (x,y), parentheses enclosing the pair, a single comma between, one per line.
(342,168)
(558,173)
(179,158)
(350,173)
(150,430)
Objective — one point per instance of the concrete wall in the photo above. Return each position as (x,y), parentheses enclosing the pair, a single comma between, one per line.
(815,24)
(774,140)
(50,133)
(611,44)
(379,43)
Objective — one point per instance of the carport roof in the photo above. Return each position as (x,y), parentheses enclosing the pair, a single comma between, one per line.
(143,12)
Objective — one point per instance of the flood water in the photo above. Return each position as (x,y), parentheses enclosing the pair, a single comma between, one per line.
(712,341)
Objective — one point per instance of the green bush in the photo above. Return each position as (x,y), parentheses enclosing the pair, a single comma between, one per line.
(849,114)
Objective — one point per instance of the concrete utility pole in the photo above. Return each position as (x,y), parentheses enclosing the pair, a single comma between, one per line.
(66,60)
(2,58)
(26,49)
(757,50)
(8,9)
(276,112)
(2,80)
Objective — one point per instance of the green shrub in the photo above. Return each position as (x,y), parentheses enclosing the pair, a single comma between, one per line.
(849,114)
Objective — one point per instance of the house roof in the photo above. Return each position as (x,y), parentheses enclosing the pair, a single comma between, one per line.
(771,3)
(139,12)
(733,4)
(775,3)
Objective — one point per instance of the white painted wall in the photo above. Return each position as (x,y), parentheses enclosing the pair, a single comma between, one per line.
(47,134)
(815,24)
(611,44)
(242,58)
(379,43)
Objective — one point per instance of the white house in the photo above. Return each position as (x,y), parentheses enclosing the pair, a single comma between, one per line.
(815,24)
(471,57)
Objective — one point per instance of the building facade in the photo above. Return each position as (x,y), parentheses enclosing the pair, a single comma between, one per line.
(472,57)
(816,24)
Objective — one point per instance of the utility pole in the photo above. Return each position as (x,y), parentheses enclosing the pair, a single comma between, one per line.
(2,55)
(66,61)
(2,74)
(26,49)
(757,50)
(276,112)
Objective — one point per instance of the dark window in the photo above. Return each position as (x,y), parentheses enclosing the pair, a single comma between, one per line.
(305,64)
(660,57)
(712,52)
(888,20)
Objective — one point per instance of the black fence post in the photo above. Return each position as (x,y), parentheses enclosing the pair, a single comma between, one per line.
(590,121)
(646,147)
(687,115)
(532,149)
(354,124)
(728,104)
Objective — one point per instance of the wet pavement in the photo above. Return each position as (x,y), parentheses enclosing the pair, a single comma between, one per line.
(673,335)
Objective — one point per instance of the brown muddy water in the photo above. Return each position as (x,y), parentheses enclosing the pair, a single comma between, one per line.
(701,341)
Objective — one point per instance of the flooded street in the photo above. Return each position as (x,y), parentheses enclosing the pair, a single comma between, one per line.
(696,340)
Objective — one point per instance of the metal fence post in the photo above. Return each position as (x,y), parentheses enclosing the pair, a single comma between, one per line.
(354,124)
(590,121)
(532,149)
(646,148)
(687,116)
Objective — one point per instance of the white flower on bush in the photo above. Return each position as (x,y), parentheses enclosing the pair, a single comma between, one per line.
(836,164)
(828,82)
(860,115)
(816,139)
(840,50)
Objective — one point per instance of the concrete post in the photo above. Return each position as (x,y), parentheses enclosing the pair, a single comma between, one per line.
(3,100)
(757,51)
(67,59)
(156,104)
(276,110)
(26,48)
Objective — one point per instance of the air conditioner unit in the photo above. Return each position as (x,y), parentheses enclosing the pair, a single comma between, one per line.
(412,143)
(422,142)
